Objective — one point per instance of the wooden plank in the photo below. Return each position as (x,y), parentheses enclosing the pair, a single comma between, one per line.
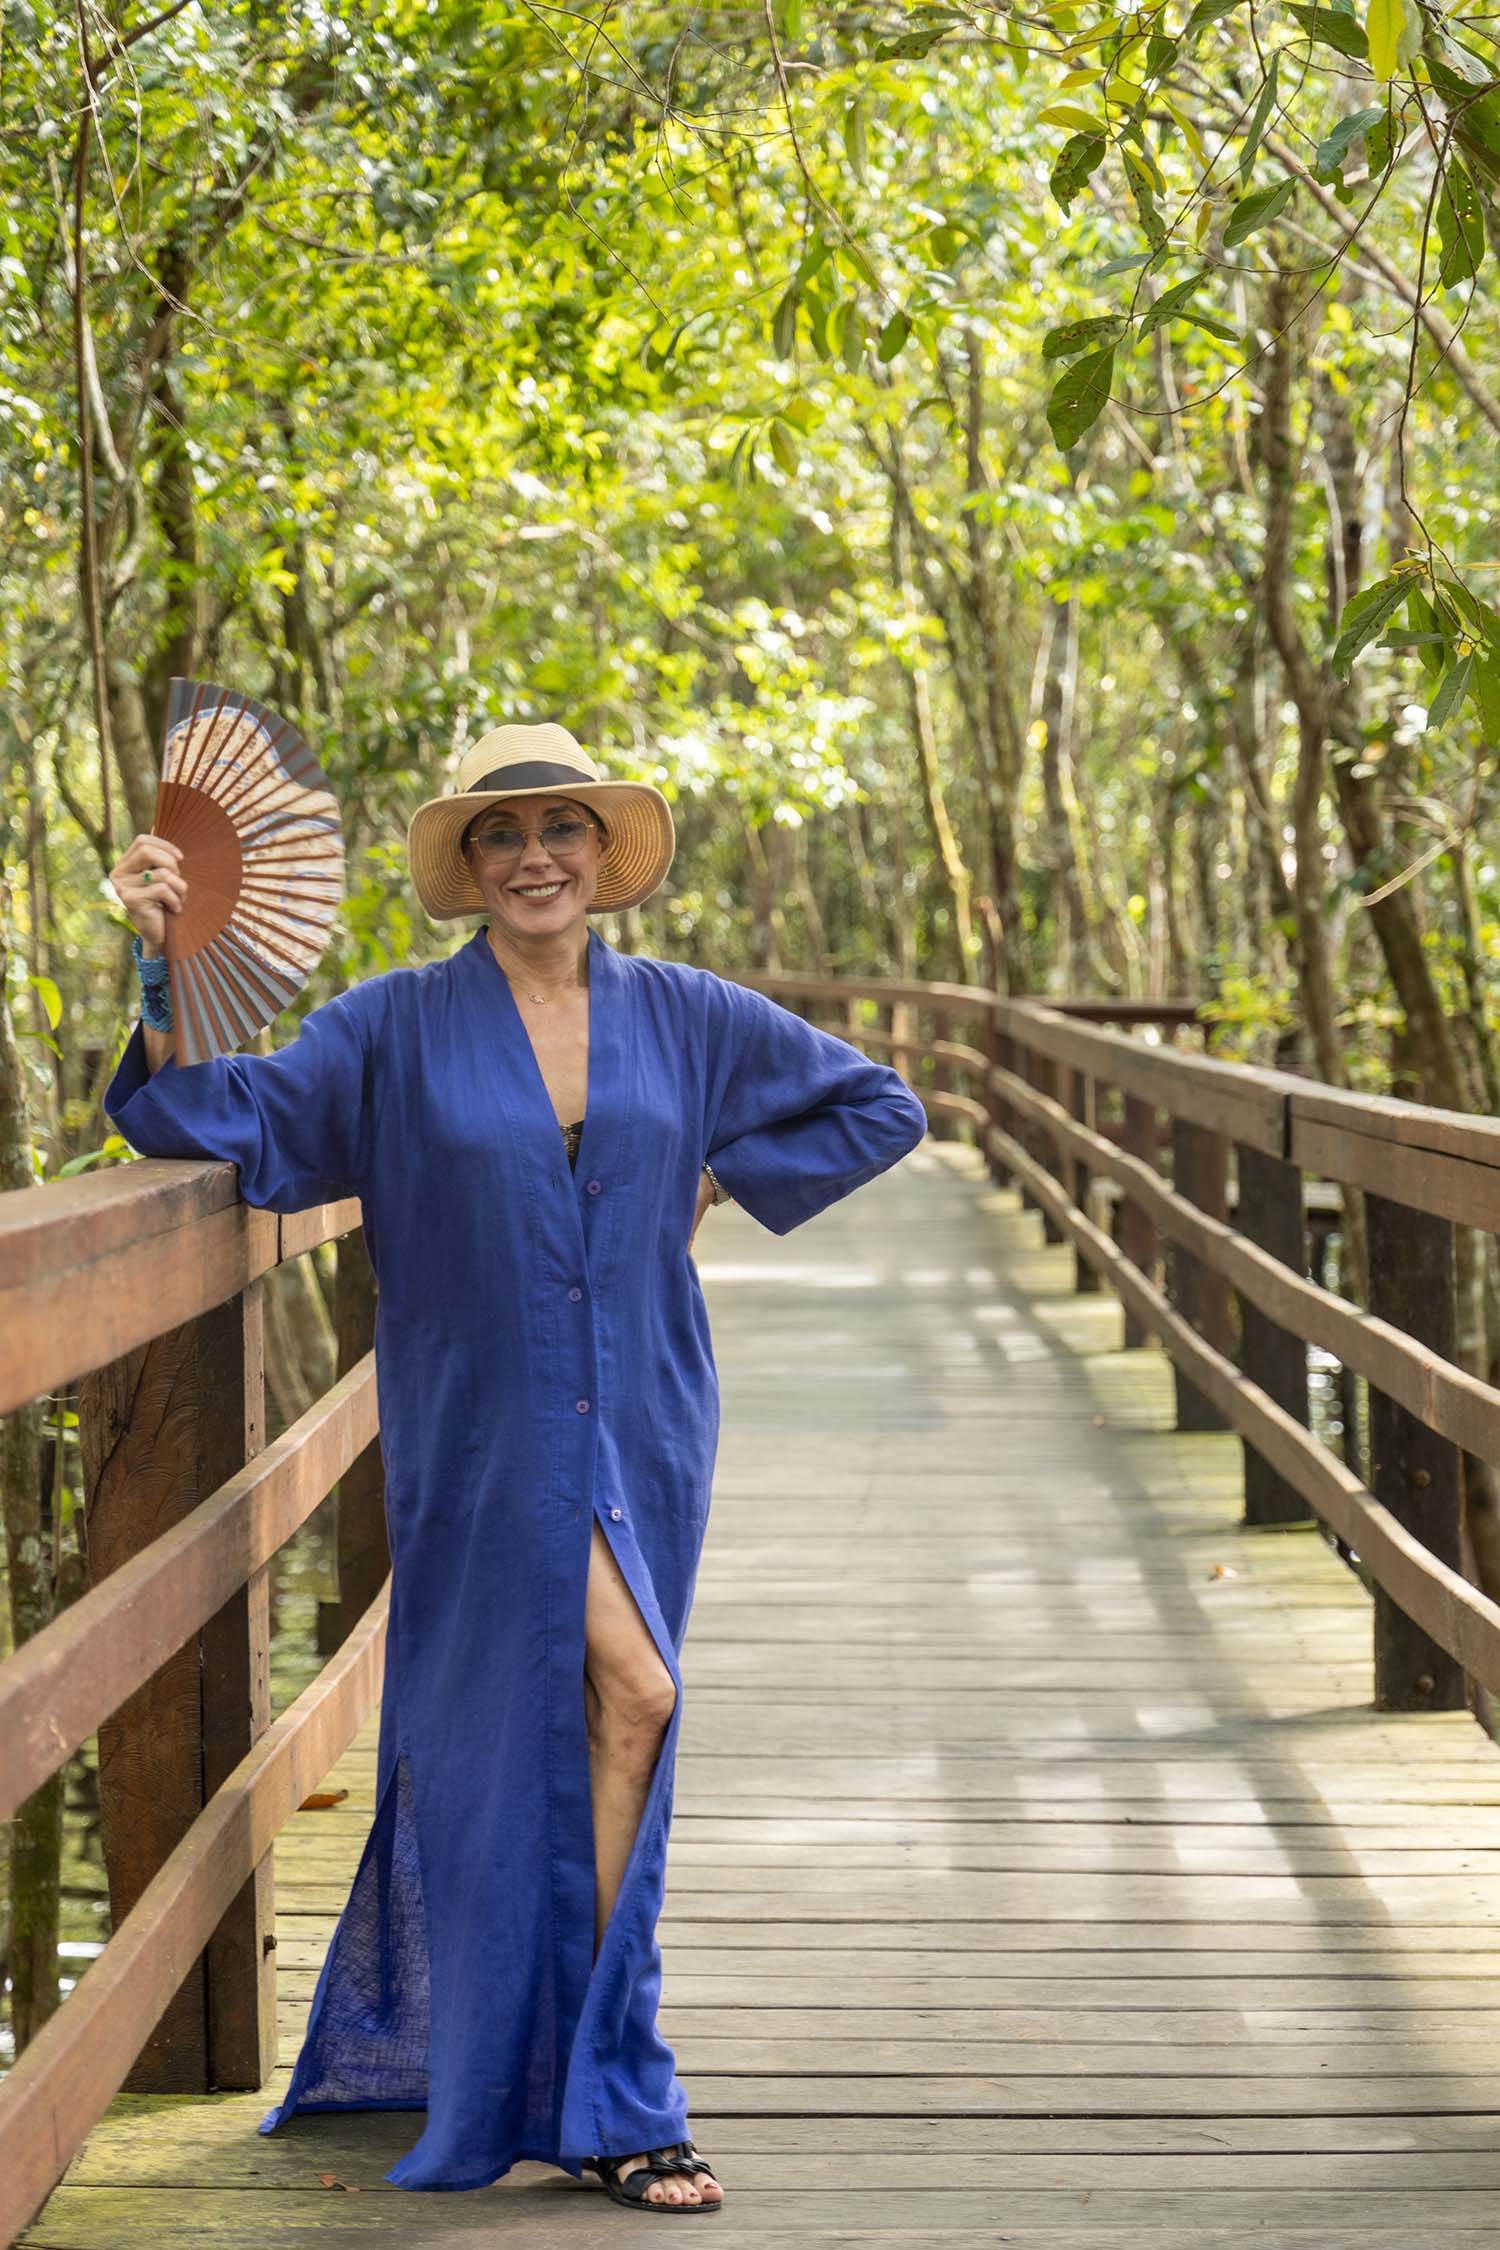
(1444,1396)
(1246,1104)
(1113,1955)
(76,1673)
(1449,1186)
(64,2080)
(1458,1616)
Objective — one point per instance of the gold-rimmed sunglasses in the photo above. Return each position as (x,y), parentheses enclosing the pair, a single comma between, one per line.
(563,837)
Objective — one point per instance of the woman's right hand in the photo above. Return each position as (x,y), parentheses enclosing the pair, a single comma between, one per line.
(148,904)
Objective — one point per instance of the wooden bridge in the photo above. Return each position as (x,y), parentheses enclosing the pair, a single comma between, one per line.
(1068,1848)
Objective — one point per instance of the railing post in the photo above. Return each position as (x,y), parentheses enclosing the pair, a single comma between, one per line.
(1003,1048)
(1200,1172)
(1413,1472)
(902,1033)
(1086,1278)
(1042,1072)
(364,1555)
(1269,1213)
(162,1428)
(1135,1228)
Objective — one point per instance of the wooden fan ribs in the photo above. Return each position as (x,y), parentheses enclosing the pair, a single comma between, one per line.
(249,806)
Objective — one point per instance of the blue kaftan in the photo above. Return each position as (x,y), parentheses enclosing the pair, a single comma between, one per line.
(542,1359)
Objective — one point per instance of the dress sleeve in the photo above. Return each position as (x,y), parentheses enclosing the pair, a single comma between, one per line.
(297,1122)
(796,1117)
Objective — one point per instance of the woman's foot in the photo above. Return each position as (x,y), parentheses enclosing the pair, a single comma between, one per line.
(685,2184)
(691,2170)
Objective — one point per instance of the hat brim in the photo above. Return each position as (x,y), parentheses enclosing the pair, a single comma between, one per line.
(642,841)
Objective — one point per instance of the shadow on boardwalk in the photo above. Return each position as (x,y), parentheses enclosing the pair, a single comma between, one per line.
(1040,1874)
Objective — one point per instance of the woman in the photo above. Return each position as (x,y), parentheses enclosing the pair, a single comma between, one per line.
(535,1126)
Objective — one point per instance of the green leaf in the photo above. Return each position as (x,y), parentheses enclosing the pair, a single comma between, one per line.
(1124,265)
(1207,12)
(1348,131)
(1082,336)
(1254,210)
(1460,226)
(1380,145)
(51,999)
(1161,53)
(1487,692)
(1467,88)
(1260,117)
(914,44)
(1068,113)
(856,146)
(1384,26)
(852,338)
(1169,303)
(1452,692)
(1211,324)
(1334,29)
(784,326)
(894,335)
(823,321)
(1080,396)
(1079,157)
(742,459)
(1364,616)
(784,446)
(1144,178)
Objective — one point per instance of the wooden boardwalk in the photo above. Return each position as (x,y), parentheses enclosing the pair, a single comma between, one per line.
(1040,1874)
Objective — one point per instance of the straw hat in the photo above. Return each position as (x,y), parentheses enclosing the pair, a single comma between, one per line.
(540,761)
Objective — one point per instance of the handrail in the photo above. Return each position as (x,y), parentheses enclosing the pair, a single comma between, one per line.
(120,1271)
(1422,1171)
(146,1284)
(78,1288)
(58,1686)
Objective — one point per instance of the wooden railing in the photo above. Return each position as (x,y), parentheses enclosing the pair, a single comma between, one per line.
(146,1284)
(1066,1107)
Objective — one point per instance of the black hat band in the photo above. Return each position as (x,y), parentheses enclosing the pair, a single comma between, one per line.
(532,773)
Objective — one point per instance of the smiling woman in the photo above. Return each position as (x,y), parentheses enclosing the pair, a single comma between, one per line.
(549,1416)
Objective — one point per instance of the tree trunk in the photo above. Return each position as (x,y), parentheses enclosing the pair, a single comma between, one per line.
(1055,704)
(954,873)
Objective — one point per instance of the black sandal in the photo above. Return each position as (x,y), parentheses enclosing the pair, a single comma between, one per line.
(685,2158)
(659,2164)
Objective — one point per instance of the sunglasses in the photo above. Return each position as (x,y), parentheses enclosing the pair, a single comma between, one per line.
(503,840)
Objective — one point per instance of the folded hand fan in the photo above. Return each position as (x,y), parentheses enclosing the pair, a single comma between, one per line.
(262,857)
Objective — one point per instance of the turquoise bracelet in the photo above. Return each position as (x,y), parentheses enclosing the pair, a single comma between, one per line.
(156,990)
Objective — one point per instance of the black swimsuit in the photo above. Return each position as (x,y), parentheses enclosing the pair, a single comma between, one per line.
(570,1134)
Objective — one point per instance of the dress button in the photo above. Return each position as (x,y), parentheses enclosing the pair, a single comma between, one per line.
(583,1406)
(615,1514)
(594,1186)
(574,1295)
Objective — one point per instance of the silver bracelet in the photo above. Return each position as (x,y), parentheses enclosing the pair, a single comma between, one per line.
(721,1193)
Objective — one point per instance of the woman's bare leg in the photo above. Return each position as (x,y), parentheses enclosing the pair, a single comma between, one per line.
(628,1698)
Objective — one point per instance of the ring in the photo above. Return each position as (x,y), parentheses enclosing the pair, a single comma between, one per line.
(146,875)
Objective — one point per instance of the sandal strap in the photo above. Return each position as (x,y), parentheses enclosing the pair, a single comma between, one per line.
(682,2157)
(635,2183)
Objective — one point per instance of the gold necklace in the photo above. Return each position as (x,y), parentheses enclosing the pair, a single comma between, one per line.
(541,998)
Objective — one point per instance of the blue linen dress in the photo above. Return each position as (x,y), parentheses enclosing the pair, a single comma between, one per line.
(542,1361)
